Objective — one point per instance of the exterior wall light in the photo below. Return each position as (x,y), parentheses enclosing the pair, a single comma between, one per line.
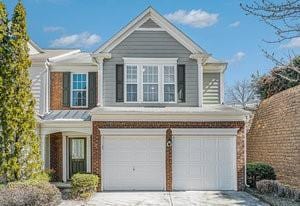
(169,143)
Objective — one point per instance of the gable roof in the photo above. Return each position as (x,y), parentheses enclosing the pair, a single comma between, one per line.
(34,48)
(161,21)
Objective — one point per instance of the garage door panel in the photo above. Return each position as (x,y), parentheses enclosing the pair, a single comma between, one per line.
(133,163)
(204,163)
(181,171)
(196,171)
(120,156)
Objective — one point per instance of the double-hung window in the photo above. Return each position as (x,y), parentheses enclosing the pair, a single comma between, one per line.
(79,84)
(131,83)
(150,80)
(169,83)
(150,83)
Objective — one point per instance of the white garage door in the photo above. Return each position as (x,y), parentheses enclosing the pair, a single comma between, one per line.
(204,163)
(133,163)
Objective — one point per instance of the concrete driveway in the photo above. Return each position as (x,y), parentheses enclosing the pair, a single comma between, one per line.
(192,198)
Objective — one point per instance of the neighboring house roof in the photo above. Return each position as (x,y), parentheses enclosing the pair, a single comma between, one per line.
(61,115)
(78,58)
(161,21)
(34,48)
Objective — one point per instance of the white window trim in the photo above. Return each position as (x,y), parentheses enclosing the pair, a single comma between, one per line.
(87,90)
(139,63)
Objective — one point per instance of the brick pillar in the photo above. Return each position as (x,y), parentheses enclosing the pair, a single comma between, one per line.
(56,155)
(169,160)
(240,150)
(96,153)
(56,84)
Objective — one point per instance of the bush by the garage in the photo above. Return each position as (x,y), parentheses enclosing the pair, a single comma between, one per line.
(84,185)
(30,192)
(277,189)
(259,171)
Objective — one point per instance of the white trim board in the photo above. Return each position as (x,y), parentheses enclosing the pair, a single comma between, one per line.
(205,132)
(133,132)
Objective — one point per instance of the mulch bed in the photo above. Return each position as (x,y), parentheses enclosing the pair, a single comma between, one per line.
(272,200)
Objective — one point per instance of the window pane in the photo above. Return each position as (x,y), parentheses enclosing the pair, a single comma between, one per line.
(131,74)
(150,92)
(169,74)
(79,98)
(131,92)
(77,149)
(169,93)
(150,74)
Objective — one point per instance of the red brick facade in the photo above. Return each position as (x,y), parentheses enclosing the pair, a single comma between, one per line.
(96,142)
(56,154)
(274,136)
(56,92)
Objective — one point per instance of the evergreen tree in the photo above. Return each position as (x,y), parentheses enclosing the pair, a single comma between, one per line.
(4,62)
(21,143)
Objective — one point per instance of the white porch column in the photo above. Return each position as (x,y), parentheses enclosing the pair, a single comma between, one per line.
(99,58)
(64,160)
(43,150)
(201,58)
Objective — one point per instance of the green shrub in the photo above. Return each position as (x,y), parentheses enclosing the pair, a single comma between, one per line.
(277,189)
(42,176)
(30,192)
(259,171)
(84,185)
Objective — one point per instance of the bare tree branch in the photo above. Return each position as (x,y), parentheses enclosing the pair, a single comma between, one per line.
(241,93)
(283,16)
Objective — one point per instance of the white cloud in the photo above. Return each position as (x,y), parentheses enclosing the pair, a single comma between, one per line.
(237,57)
(195,18)
(50,29)
(235,24)
(83,39)
(293,43)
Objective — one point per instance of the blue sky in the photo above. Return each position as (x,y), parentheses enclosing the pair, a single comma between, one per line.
(220,27)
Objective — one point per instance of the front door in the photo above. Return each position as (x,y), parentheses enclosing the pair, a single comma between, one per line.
(77,156)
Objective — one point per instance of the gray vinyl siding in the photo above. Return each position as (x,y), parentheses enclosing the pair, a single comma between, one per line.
(147,44)
(149,24)
(211,88)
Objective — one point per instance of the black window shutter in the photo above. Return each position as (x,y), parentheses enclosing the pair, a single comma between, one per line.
(92,89)
(119,83)
(66,89)
(181,83)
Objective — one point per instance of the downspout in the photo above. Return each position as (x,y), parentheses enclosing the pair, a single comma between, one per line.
(245,151)
(47,89)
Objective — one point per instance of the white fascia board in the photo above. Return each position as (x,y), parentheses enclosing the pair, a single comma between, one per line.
(132,132)
(129,60)
(214,67)
(161,117)
(74,68)
(123,31)
(49,127)
(161,21)
(65,123)
(205,132)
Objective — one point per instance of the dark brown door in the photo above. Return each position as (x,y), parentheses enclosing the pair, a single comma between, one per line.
(77,155)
